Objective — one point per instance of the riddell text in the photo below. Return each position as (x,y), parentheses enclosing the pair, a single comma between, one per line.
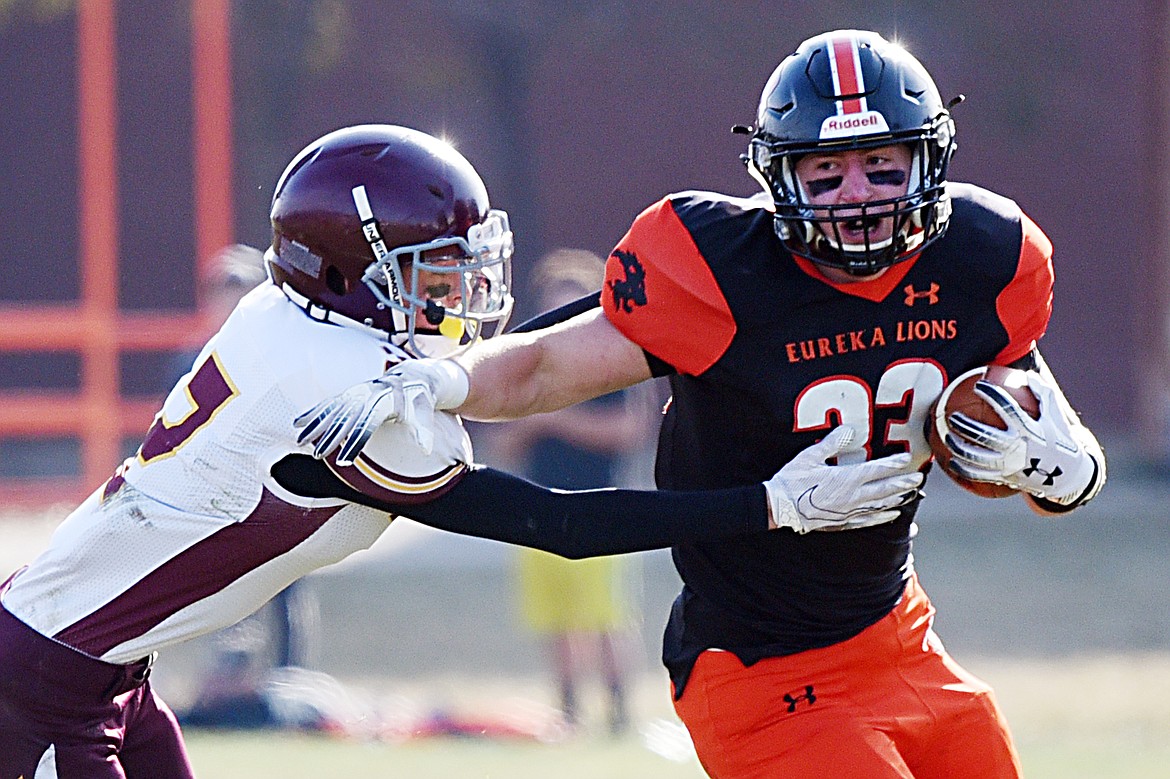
(851,123)
(859,340)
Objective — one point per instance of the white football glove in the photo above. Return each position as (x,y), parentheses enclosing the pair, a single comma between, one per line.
(809,494)
(1052,457)
(407,394)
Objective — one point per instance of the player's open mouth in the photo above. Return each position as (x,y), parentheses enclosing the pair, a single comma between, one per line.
(863,224)
(864,230)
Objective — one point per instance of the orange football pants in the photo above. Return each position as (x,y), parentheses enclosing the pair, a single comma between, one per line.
(889,703)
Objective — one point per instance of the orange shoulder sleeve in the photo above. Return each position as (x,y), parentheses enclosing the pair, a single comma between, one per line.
(660,293)
(1025,304)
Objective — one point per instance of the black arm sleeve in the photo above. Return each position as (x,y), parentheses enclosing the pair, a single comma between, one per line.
(588,523)
(658,368)
(560,314)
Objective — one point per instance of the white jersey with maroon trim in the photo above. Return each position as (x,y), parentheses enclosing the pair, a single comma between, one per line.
(193,534)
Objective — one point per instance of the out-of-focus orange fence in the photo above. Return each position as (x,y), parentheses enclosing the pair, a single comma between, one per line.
(97,413)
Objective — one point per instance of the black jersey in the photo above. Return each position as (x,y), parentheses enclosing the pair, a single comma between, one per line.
(766,356)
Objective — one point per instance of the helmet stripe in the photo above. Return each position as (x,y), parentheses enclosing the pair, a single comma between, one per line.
(361,201)
(847,76)
(369,223)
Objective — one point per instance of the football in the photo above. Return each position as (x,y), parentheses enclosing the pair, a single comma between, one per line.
(960,396)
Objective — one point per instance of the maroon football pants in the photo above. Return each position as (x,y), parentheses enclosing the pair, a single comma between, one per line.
(66,715)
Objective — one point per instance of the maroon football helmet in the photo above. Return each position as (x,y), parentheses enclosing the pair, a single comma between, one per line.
(361,212)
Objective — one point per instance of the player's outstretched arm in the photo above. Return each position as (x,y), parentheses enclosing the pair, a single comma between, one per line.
(509,376)
(589,523)
(487,503)
(807,494)
(525,373)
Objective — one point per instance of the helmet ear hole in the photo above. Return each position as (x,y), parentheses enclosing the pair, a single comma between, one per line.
(335,280)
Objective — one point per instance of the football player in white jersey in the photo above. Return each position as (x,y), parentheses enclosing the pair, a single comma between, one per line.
(384,248)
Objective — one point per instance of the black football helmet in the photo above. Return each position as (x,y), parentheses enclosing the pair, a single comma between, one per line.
(360,212)
(843,90)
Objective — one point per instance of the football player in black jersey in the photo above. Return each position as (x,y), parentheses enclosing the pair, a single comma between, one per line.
(839,302)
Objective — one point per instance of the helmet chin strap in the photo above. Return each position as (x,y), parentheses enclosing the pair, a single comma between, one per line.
(324,314)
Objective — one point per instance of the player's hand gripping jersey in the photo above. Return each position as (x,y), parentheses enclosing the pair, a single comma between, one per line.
(765,357)
(193,533)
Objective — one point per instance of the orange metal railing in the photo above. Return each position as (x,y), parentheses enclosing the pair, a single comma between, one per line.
(98,414)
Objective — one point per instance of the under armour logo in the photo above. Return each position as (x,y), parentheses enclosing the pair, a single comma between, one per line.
(807,695)
(931,294)
(1049,476)
(630,291)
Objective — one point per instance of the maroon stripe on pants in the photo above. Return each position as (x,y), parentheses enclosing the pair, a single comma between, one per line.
(205,568)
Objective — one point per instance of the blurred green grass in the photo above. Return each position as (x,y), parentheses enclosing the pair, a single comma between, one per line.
(235,756)
(1074,717)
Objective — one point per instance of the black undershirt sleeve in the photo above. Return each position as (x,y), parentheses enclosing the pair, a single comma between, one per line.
(559,314)
(658,368)
(589,523)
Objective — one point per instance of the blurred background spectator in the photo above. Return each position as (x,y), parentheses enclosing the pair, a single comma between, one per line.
(582,610)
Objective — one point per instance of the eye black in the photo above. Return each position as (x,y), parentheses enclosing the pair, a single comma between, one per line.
(821,186)
(887,178)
